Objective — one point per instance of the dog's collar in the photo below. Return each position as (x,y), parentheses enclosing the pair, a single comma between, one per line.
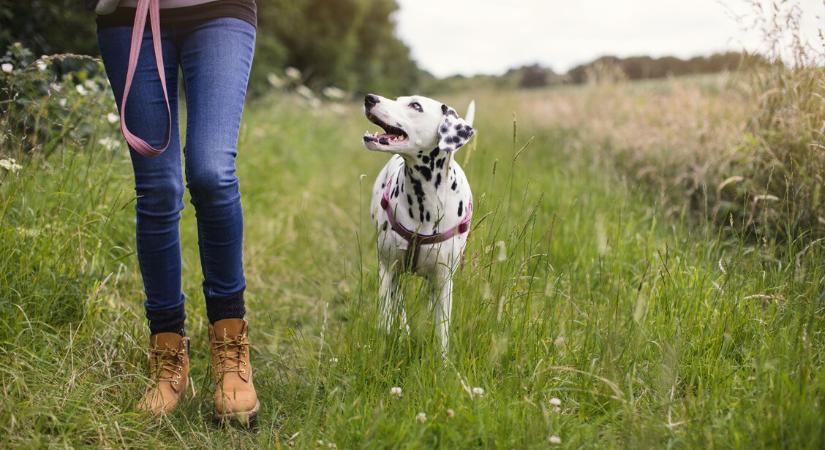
(416,239)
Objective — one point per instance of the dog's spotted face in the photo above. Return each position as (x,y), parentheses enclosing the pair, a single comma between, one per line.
(413,124)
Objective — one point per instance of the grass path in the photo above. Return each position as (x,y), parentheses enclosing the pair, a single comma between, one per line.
(651,333)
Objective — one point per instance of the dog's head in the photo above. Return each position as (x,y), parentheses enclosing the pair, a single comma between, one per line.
(413,124)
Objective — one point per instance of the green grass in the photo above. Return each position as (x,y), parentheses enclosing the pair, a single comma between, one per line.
(652,333)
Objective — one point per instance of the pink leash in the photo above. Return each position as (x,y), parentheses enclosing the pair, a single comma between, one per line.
(152,7)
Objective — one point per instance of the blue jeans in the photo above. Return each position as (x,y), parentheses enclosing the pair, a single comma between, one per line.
(215,57)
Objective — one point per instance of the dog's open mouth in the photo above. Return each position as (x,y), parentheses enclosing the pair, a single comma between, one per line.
(390,135)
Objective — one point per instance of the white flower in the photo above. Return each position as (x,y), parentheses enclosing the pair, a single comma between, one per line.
(502,251)
(421,417)
(478,391)
(555,440)
(333,93)
(10,164)
(333,360)
(304,91)
(7,67)
(62,102)
(108,143)
(555,401)
(41,65)
(396,391)
(450,413)
(92,85)
(55,87)
(81,90)
(486,291)
(275,81)
(293,73)
(112,118)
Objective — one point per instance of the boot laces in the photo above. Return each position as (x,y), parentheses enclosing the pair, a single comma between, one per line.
(168,364)
(230,353)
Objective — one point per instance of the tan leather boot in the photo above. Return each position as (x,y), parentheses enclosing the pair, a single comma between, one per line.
(168,372)
(235,397)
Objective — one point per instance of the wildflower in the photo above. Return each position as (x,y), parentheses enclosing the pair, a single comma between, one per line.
(396,391)
(486,291)
(450,413)
(502,251)
(7,67)
(555,440)
(41,65)
(112,118)
(478,391)
(421,417)
(275,81)
(10,164)
(293,73)
(333,360)
(62,102)
(81,90)
(108,143)
(55,87)
(304,91)
(92,85)
(333,93)
(555,401)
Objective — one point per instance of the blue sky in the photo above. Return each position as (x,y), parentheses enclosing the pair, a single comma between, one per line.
(490,36)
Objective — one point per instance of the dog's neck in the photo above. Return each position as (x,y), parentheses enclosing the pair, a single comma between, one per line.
(423,178)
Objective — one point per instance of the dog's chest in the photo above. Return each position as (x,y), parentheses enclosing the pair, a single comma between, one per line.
(428,197)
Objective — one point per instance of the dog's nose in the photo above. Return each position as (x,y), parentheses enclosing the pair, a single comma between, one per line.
(370,100)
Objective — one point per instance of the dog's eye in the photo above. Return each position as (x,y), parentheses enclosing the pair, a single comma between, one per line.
(416,106)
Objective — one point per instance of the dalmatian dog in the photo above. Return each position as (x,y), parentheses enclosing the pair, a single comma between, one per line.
(421,201)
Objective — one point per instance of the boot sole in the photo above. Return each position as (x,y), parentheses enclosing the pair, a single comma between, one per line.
(248,418)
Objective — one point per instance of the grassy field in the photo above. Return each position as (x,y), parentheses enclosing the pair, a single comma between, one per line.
(651,329)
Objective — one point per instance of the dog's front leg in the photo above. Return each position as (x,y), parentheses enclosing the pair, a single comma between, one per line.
(443,300)
(389,299)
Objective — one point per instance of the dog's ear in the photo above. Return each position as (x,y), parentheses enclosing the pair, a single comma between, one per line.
(453,132)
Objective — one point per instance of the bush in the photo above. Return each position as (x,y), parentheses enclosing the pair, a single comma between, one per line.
(49,102)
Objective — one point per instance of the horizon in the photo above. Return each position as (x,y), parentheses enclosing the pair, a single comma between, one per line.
(584,63)
(488,38)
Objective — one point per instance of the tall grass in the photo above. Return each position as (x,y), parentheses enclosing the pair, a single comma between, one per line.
(743,148)
(576,286)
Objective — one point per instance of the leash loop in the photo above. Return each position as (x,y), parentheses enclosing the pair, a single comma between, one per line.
(152,9)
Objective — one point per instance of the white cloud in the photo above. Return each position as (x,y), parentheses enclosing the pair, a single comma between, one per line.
(490,36)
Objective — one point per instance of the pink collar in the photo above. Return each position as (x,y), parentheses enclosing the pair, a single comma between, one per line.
(416,239)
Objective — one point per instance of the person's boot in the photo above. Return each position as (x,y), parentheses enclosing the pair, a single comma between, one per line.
(168,373)
(235,397)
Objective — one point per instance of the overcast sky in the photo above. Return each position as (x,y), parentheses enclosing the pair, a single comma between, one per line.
(490,36)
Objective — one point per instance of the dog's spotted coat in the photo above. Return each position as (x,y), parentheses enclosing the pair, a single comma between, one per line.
(428,193)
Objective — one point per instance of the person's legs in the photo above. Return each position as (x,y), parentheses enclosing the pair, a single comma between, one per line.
(159,189)
(216,57)
(158,181)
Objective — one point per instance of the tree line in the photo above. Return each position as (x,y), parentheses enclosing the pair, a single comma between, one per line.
(602,69)
(350,44)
